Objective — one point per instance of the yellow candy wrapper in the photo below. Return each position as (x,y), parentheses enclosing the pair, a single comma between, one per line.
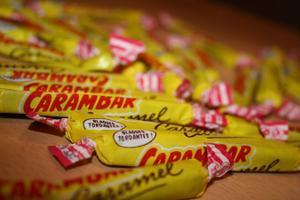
(49,9)
(224,54)
(18,33)
(244,85)
(179,180)
(61,104)
(249,155)
(168,84)
(31,53)
(89,125)
(42,86)
(294,135)
(140,146)
(50,75)
(58,34)
(6,68)
(82,52)
(269,88)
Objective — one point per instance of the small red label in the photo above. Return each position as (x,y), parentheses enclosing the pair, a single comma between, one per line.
(251,113)
(150,82)
(85,50)
(210,120)
(289,110)
(70,154)
(218,95)
(274,130)
(125,49)
(218,160)
(60,124)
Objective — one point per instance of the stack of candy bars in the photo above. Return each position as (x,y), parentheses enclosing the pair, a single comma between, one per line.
(173,107)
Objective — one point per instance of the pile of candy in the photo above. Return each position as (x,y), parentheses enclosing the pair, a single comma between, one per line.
(145,93)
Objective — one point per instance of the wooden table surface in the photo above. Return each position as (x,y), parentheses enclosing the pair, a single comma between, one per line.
(23,144)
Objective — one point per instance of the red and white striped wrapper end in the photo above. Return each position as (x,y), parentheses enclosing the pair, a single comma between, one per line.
(218,95)
(60,124)
(245,61)
(174,40)
(36,41)
(149,23)
(70,154)
(240,111)
(150,82)
(184,90)
(36,7)
(175,69)
(210,120)
(125,50)
(85,50)
(264,109)
(289,110)
(274,130)
(252,113)
(219,162)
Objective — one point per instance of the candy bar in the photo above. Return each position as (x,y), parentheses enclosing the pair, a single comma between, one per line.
(185,179)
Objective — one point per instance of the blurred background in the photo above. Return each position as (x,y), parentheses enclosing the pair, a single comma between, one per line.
(283,11)
(246,25)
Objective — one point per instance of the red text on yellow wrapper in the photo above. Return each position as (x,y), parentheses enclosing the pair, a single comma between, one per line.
(53,102)
(38,188)
(61,77)
(158,155)
(69,88)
